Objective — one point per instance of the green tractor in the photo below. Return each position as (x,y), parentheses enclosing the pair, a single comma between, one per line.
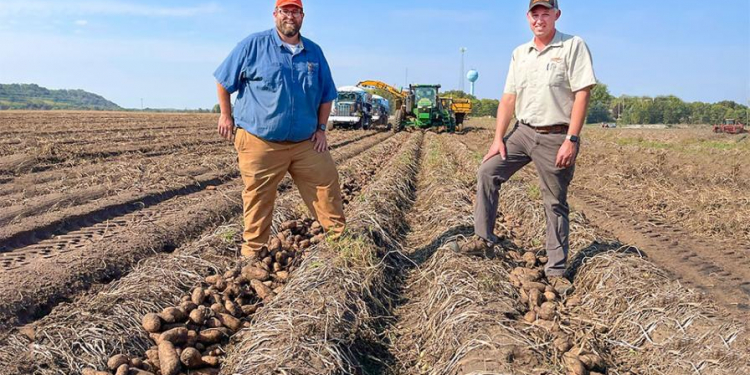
(423,108)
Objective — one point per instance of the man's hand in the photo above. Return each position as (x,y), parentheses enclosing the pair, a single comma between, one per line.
(566,156)
(226,127)
(496,148)
(319,138)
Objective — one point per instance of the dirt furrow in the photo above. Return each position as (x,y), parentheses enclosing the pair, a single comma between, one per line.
(86,258)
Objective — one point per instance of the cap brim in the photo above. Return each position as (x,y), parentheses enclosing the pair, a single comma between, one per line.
(546,5)
(283,4)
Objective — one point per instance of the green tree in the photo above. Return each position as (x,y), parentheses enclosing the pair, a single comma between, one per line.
(216,109)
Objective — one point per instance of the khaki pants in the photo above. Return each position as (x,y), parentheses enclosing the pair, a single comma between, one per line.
(264,164)
(524,145)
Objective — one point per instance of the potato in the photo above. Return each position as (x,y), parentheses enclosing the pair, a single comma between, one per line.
(249,309)
(151,323)
(592,361)
(176,336)
(122,369)
(260,289)
(191,358)
(136,362)
(116,361)
(282,275)
(213,322)
(137,371)
(90,371)
(212,335)
(153,356)
(550,296)
(169,361)
(232,308)
(562,344)
(211,360)
(192,338)
(188,306)
(198,316)
(548,311)
(274,244)
(535,298)
(213,279)
(530,317)
(530,259)
(230,322)
(529,285)
(574,365)
(218,308)
(232,290)
(254,273)
(172,315)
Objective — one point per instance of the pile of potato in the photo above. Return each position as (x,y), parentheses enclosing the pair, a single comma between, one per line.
(189,338)
(546,309)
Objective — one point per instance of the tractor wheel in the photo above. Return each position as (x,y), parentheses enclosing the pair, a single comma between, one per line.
(398,120)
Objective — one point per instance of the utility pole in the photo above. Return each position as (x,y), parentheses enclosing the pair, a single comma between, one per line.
(461,75)
(141,104)
(406,78)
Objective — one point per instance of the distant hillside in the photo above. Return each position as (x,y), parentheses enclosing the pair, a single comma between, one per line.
(22,96)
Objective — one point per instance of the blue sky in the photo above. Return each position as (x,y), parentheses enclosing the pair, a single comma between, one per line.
(166,51)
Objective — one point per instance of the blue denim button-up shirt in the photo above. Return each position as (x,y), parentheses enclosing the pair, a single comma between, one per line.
(278,94)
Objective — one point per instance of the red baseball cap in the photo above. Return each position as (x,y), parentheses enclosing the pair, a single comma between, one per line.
(282,3)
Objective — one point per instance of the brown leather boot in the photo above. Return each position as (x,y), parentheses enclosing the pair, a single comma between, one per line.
(474,246)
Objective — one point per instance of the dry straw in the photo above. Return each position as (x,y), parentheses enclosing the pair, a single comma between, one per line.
(315,324)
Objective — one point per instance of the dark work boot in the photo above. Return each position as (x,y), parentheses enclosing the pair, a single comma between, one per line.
(473,246)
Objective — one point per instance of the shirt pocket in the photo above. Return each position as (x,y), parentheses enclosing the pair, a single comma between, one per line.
(557,73)
(266,77)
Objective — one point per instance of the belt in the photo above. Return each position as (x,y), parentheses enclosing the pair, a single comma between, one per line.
(550,129)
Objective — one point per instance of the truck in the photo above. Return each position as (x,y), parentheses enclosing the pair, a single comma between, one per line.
(351,109)
(380,110)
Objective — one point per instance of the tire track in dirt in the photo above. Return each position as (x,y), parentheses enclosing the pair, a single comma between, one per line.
(721,273)
(37,229)
(105,252)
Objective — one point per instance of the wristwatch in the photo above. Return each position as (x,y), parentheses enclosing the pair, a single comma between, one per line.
(572,138)
(322,127)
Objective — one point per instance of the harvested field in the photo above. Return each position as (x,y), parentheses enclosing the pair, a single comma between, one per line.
(126,261)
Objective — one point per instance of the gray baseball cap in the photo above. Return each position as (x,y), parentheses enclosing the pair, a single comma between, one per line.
(552,4)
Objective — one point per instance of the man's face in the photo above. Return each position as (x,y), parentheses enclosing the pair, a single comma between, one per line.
(288,20)
(542,20)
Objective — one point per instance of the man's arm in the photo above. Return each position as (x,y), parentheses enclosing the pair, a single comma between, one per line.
(226,121)
(323,112)
(319,138)
(566,156)
(504,114)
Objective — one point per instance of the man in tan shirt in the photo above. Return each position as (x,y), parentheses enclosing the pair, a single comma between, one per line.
(548,86)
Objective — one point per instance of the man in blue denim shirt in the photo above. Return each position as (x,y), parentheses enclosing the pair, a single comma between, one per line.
(284,94)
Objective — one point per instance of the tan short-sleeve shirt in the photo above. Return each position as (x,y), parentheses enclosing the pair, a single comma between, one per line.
(544,82)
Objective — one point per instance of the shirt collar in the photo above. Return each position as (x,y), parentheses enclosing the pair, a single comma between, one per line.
(556,42)
(280,43)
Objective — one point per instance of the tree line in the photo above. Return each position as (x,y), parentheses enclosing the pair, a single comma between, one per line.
(668,109)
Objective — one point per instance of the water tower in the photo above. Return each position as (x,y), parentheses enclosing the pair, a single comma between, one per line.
(472,76)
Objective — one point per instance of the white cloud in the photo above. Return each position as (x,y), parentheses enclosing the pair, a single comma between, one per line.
(81,23)
(37,8)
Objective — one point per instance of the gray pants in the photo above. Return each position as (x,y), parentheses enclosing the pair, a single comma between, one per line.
(524,145)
